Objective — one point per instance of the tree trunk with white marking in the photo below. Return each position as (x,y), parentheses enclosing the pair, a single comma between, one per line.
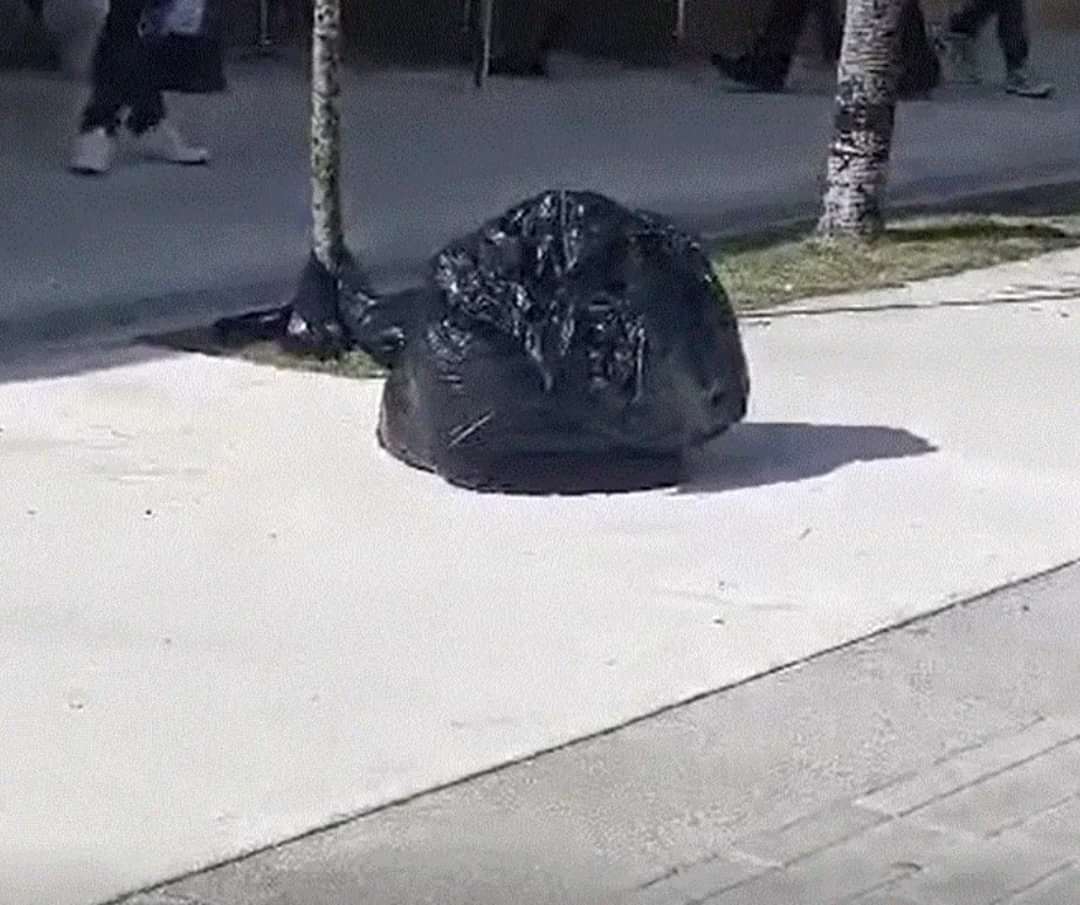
(865,116)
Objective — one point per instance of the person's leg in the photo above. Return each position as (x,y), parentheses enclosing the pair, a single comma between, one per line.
(970,18)
(124,80)
(546,30)
(525,28)
(958,43)
(144,99)
(102,111)
(830,30)
(767,64)
(1013,36)
(147,108)
(157,138)
(778,42)
(114,60)
(920,70)
(1012,33)
(555,28)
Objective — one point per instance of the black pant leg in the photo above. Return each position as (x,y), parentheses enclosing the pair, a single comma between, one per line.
(123,76)
(525,32)
(830,29)
(972,17)
(147,106)
(920,69)
(775,48)
(1012,32)
(109,94)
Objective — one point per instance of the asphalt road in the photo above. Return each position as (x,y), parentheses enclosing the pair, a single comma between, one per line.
(427,158)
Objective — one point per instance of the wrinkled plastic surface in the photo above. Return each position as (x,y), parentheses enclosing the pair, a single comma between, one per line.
(569,345)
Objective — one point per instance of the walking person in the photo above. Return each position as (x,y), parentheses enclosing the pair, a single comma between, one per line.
(959,45)
(136,60)
(526,33)
(767,64)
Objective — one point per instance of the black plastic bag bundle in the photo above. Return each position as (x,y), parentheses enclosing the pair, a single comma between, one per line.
(571,345)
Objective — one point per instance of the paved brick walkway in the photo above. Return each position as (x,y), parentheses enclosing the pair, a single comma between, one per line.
(937,764)
(988,825)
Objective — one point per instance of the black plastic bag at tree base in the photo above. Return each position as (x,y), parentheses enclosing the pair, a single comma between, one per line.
(571,345)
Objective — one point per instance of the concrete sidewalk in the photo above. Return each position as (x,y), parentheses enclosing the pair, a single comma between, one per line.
(235,621)
(938,764)
(427,158)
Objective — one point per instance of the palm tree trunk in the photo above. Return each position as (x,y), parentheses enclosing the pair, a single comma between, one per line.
(328,239)
(867,79)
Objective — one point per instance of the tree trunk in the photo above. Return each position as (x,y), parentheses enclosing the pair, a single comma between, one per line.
(314,317)
(328,240)
(865,116)
(316,321)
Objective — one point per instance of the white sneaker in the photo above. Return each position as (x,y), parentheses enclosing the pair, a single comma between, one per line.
(93,152)
(1021,82)
(164,142)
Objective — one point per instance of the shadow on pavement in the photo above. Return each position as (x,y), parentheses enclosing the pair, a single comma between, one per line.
(749,455)
(757,454)
(44,361)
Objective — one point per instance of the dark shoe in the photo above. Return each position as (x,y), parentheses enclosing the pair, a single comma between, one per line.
(503,66)
(917,87)
(913,93)
(747,71)
(921,74)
